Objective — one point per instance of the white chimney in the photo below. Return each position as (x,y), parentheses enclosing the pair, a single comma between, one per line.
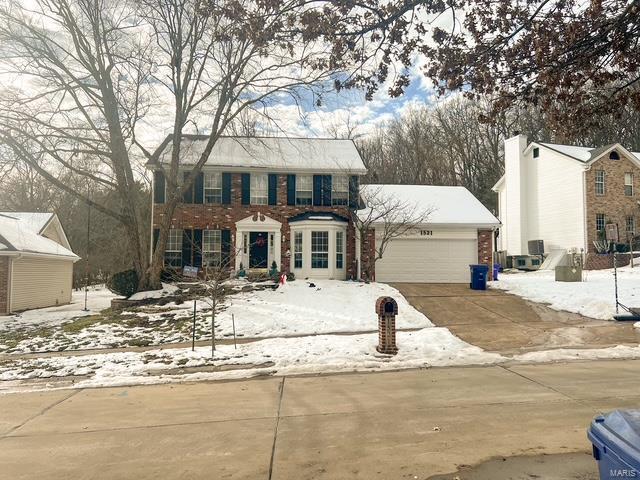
(515,218)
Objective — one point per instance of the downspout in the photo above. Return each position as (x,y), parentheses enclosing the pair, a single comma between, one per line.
(585,234)
(9,296)
(153,188)
(358,252)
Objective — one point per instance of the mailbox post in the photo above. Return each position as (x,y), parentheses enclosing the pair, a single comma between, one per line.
(387,309)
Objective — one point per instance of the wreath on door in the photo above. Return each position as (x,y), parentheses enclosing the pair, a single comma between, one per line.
(260,242)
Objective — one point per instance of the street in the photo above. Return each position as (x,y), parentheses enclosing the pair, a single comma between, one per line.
(406,424)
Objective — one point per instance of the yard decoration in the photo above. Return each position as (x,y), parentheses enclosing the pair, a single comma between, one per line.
(387,309)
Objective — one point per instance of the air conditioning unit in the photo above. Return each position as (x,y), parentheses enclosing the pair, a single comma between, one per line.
(536,247)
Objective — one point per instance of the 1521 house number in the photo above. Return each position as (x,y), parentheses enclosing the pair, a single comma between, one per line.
(426,233)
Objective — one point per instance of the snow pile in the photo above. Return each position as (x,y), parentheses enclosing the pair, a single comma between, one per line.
(595,297)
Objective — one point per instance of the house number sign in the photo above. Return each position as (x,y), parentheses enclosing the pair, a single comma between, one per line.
(426,233)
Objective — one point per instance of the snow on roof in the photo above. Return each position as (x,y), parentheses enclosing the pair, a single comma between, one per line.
(17,235)
(270,153)
(34,221)
(583,154)
(445,205)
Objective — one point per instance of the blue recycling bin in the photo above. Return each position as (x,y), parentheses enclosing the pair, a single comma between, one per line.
(616,444)
(479,274)
(496,270)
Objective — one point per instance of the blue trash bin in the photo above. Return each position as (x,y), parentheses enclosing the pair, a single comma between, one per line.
(496,269)
(479,274)
(616,444)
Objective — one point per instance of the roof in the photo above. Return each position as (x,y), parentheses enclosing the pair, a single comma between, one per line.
(270,153)
(444,205)
(18,235)
(34,221)
(583,154)
(318,216)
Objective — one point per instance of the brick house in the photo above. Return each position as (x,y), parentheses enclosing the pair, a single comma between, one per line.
(565,195)
(291,201)
(264,200)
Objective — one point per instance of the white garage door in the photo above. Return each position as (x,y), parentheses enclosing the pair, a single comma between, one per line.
(40,282)
(427,260)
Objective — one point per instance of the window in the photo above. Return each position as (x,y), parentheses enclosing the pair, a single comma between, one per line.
(599,182)
(536,152)
(631,225)
(614,156)
(319,249)
(213,187)
(600,222)
(173,252)
(297,250)
(628,184)
(259,189)
(304,189)
(340,190)
(211,248)
(339,249)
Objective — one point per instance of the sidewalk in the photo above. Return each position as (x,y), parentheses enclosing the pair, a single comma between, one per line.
(393,425)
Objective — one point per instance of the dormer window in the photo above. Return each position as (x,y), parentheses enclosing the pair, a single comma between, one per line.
(614,155)
(536,152)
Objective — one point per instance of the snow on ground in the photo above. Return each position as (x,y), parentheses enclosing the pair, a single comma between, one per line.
(595,297)
(167,289)
(430,346)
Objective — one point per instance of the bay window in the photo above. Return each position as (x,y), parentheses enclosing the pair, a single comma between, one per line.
(319,249)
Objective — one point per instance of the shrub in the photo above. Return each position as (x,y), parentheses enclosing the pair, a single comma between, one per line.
(291,276)
(124,283)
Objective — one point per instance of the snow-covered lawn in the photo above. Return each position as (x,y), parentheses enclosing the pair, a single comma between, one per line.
(595,297)
(258,310)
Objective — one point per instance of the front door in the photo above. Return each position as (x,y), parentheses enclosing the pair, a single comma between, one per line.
(259,243)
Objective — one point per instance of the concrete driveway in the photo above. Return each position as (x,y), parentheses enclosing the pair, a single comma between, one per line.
(396,425)
(501,322)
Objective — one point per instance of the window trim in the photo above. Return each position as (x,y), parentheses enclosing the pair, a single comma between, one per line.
(205,188)
(298,240)
(254,199)
(340,197)
(601,182)
(630,185)
(632,231)
(213,251)
(536,152)
(323,254)
(339,249)
(173,249)
(310,190)
(604,222)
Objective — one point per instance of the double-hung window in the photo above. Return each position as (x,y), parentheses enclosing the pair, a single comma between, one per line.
(340,190)
(304,189)
(319,249)
(628,184)
(297,250)
(599,182)
(213,187)
(173,251)
(631,225)
(211,248)
(600,222)
(259,189)
(339,249)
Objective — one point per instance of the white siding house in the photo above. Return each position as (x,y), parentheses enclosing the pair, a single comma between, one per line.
(36,264)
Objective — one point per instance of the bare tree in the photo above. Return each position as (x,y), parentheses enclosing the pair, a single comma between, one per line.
(384,218)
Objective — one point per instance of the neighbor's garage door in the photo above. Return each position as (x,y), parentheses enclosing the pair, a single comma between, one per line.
(432,260)
(40,282)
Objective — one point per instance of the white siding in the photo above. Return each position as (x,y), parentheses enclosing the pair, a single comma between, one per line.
(516,191)
(503,239)
(40,282)
(443,257)
(554,208)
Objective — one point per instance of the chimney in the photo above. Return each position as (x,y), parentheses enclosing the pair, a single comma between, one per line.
(515,174)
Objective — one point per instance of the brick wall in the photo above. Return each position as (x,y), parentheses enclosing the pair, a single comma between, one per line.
(485,250)
(224,217)
(4,285)
(367,255)
(595,261)
(614,203)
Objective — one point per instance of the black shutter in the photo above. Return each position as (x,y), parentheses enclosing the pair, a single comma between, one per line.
(226,188)
(354,187)
(317,190)
(158,186)
(198,187)
(197,248)
(225,236)
(187,247)
(291,189)
(187,196)
(273,189)
(156,235)
(246,188)
(326,190)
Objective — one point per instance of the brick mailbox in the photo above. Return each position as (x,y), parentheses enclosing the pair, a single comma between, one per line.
(387,309)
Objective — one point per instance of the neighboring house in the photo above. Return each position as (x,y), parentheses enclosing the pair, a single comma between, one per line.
(264,200)
(36,262)
(458,232)
(565,195)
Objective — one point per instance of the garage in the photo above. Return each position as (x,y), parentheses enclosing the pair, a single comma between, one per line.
(428,260)
(454,231)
